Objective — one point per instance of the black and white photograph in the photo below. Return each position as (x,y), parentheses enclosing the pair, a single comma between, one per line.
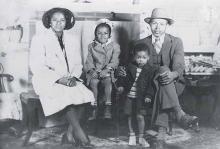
(109,74)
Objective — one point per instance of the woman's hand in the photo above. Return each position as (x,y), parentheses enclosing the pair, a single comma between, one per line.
(167,77)
(63,81)
(72,82)
(67,81)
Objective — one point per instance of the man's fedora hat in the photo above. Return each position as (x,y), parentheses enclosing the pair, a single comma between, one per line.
(159,13)
(70,19)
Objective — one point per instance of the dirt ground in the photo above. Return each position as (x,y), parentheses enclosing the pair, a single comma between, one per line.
(104,138)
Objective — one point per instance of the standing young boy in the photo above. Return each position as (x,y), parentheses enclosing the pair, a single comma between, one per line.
(138,87)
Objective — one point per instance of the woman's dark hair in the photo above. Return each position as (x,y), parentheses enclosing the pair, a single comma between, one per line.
(141,47)
(103,25)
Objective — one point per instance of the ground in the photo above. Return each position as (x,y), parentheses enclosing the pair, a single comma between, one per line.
(50,138)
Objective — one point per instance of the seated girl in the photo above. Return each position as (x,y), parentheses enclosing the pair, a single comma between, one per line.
(101,61)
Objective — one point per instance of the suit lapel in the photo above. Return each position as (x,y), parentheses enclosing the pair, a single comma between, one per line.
(149,43)
(166,45)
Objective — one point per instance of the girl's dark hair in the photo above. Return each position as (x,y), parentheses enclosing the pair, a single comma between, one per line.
(103,25)
(141,47)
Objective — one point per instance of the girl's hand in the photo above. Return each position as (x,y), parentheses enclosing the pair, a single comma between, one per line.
(147,100)
(104,73)
(93,73)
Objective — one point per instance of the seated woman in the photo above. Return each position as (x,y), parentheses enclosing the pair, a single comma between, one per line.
(101,61)
(55,62)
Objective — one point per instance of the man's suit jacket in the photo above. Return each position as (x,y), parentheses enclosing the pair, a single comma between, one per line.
(172,56)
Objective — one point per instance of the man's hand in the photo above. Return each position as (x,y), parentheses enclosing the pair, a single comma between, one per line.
(104,73)
(167,77)
(147,100)
(121,72)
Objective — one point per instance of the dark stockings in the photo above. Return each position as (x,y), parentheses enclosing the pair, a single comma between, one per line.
(73,115)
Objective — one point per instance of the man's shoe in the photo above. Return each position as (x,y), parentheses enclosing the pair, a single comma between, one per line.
(188,121)
(158,144)
(107,113)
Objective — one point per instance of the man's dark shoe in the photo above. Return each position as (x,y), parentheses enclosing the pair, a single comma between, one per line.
(158,144)
(107,113)
(188,121)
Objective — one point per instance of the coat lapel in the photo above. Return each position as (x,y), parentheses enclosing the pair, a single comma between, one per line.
(54,47)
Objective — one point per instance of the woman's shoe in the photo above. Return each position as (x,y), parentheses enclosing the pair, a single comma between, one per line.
(93,114)
(86,145)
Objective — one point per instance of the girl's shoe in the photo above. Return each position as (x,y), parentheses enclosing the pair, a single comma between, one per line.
(132,139)
(143,142)
(66,140)
(85,145)
(93,114)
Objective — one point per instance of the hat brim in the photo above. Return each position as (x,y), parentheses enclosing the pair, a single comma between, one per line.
(169,21)
(70,19)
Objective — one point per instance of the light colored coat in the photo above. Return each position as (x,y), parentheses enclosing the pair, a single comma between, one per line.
(48,64)
(99,57)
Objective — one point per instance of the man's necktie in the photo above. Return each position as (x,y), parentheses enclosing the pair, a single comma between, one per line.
(157,45)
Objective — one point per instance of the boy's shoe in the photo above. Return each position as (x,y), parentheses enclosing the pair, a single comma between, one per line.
(93,114)
(132,139)
(143,142)
(107,113)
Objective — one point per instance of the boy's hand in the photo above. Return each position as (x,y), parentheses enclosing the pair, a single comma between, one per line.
(147,100)
(121,72)
(120,90)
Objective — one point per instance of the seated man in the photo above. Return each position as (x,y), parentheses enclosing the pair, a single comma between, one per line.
(167,55)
